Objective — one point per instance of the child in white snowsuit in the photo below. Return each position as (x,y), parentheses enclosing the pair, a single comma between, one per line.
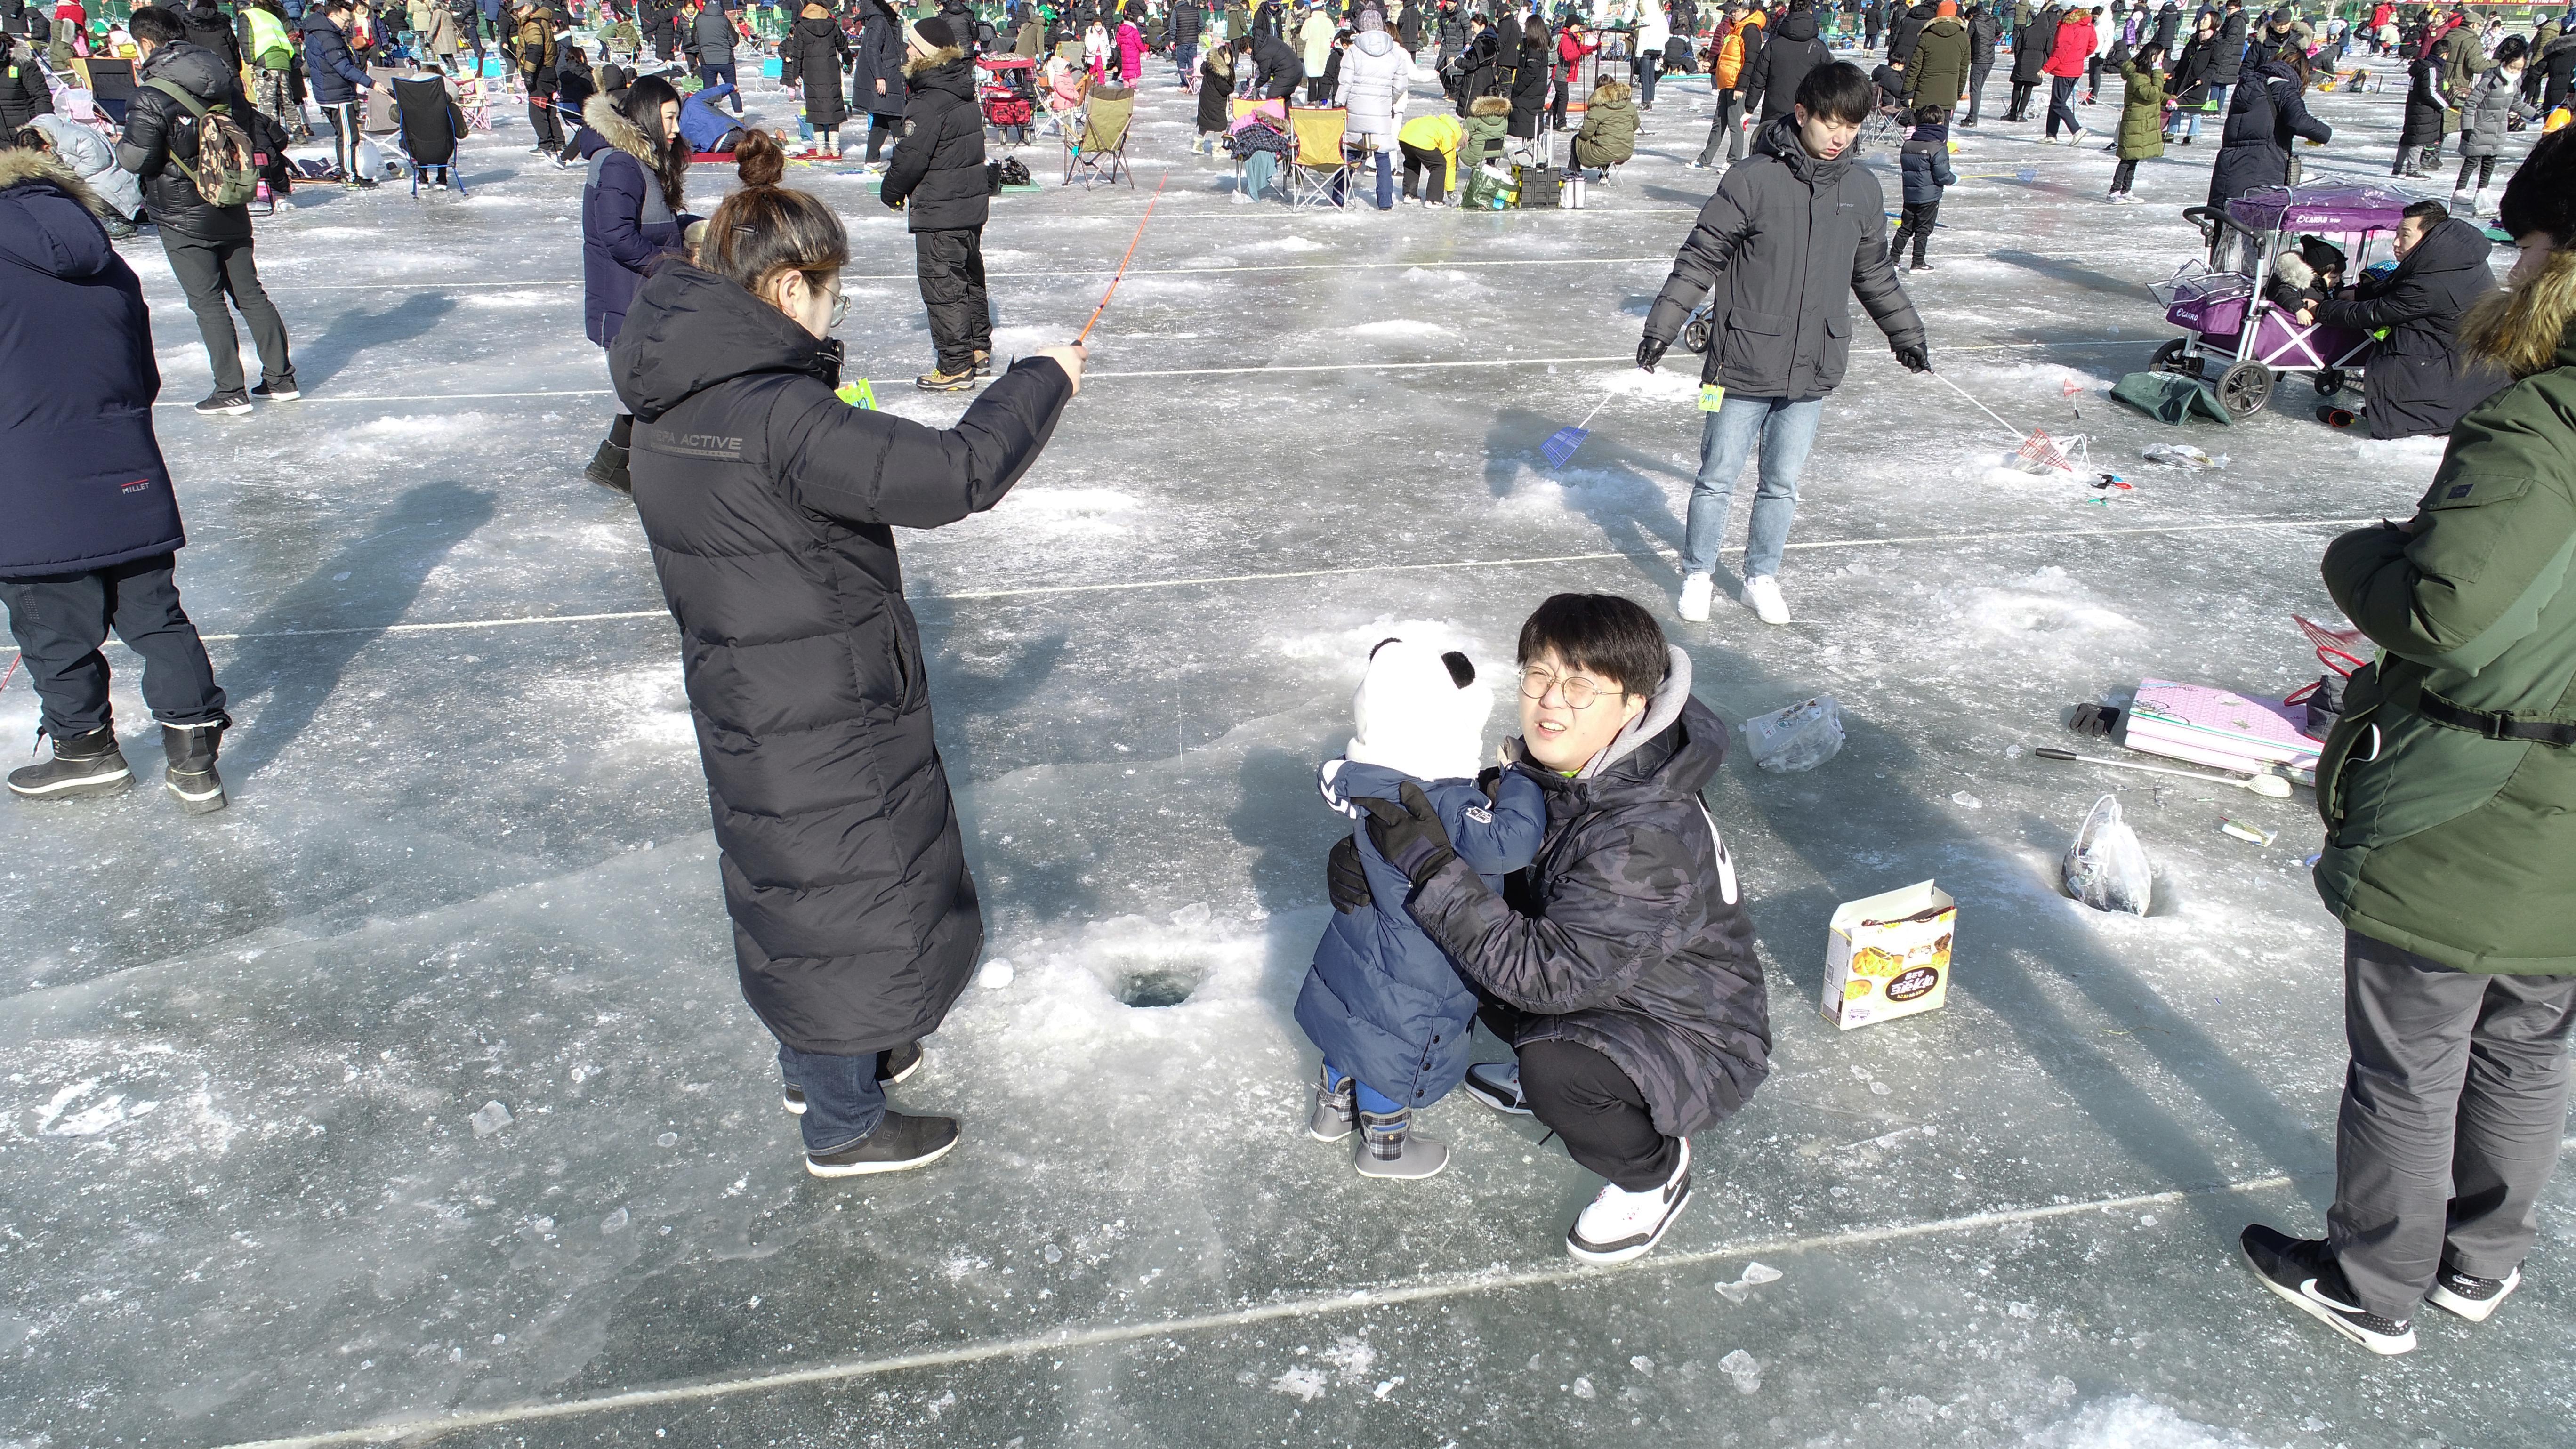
(1387,1007)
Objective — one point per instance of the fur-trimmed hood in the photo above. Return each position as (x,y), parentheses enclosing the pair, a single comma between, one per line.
(601,115)
(915,65)
(1490,106)
(19,166)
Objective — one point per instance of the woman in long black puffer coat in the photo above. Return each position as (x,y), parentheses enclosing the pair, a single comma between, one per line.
(877,75)
(770,506)
(1530,80)
(812,56)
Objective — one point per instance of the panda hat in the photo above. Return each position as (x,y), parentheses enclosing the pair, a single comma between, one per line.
(1420,711)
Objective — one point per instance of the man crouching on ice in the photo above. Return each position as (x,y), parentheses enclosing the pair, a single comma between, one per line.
(1619,964)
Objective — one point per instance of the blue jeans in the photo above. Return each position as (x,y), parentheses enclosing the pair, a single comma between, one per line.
(1785,430)
(844,1101)
(1370,1098)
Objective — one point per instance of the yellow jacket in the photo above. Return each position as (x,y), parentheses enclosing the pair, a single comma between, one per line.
(1439,132)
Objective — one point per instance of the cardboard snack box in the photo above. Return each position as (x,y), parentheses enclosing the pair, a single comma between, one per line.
(1889,956)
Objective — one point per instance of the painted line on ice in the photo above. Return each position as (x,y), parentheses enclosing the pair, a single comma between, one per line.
(1456,1285)
(1428,266)
(1089,377)
(2233,525)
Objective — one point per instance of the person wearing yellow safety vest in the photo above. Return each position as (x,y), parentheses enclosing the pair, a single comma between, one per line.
(268,53)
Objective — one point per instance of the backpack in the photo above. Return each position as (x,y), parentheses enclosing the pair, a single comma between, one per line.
(226,169)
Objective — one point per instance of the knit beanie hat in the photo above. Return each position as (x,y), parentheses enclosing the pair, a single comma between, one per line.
(2542,194)
(934,33)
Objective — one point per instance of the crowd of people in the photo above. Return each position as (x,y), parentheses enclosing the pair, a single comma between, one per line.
(1580,901)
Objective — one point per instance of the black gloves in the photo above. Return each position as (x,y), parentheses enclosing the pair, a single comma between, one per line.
(1410,836)
(1913,355)
(1650,352)
(1345,879)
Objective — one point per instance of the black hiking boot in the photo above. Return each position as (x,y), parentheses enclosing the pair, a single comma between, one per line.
(608,469)
(2301,1273)
(191,777)
(82,766)
(900,1143)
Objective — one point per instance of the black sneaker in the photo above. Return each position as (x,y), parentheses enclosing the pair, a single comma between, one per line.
(900,1143)
(82,766)
(281,389)
(895,1066)
(2469,1296)
(230,404)
(1498,1085)
(2302,1274)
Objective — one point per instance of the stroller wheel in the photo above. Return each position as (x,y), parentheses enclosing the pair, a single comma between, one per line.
(2244,389)
(2169,358)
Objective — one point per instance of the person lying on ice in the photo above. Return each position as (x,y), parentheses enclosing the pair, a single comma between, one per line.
(1381,1002)
(1620,963)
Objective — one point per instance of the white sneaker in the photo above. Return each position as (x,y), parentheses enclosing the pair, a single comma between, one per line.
(1763,593)
(1621,1225)
(1696,589)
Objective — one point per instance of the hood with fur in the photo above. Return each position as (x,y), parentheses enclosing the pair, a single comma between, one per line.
(601,115)
(914,67)
(45,234)
(1421,712)
(1490,106)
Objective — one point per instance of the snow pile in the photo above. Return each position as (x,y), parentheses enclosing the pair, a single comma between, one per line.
(2130,1422)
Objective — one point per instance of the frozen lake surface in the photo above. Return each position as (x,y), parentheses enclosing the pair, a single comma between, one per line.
(244,1194)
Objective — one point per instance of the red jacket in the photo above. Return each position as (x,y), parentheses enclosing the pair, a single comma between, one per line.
(1571,51)
(2074,47)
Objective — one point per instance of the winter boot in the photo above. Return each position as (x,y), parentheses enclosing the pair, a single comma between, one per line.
(900,1143)
(608,465)
(83,765)
(940,380)
(191,751)
(2301,1273)
(1336,1113)
(983,364)
(1621,1225)
(1388,1147)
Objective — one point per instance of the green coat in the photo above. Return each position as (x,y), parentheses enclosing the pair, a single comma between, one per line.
(1482,130)
(1938,73)
(2142,114)
(2449,843)
(1609,134)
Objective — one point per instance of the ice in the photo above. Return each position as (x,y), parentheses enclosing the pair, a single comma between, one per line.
(489,1118)
(1796,737)
(1743,1370)
(468,860)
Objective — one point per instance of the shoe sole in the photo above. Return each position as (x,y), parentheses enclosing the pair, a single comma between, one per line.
(1342,1136)
(866,1169)
(2322,1314)
(83,788)
(1513,1107)
(278,396)
(2475,1310)
(198,802)
(1575,1248)
(224,412)
(1365,1162)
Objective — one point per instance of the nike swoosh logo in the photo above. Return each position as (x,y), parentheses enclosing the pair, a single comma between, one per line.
(2308,1290)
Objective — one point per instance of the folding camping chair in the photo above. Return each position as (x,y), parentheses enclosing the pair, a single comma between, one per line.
(1318,172)
(1098,152)
(431,125)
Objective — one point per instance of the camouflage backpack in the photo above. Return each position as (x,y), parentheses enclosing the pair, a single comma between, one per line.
(227,168)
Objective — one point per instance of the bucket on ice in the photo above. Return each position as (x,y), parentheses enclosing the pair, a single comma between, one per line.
(1889,955)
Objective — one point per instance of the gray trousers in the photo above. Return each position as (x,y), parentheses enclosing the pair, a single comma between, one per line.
(2453,1109)
(209,272)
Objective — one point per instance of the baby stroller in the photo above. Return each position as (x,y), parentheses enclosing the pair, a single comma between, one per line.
(431,123)
(2231,325)
(1008,92)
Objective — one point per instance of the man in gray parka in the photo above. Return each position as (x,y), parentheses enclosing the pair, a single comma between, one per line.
(1794,232)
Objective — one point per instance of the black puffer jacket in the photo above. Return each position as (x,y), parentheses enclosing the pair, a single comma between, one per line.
(2267,111)
(23,92)
(2031,45)
(161,138)
(1789,240)
(1628,934)
(1529,93)
(2227,62)
(770,506)
(812,55)
(2419,382)
(1777,72)
(879,56)
(936,173)
(1902,37)
(210,29)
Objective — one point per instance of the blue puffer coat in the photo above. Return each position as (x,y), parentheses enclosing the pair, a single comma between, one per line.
(1925,160)
(626,225)
(1381,1000)
(85,486)
(335,73)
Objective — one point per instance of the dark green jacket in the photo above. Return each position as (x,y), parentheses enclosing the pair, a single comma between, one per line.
(2142,114)
(2440,839)
(1938,73)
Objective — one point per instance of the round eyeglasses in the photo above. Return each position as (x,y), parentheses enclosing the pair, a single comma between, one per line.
(1579,692)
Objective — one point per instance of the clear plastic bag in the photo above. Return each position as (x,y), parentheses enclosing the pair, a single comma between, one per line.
(2106,868)
(1800,737)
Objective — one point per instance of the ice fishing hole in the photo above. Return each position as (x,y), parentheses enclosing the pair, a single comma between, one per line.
(1149,985)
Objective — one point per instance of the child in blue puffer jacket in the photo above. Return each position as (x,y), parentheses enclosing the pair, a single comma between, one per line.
(1390,1012)
(1926,161)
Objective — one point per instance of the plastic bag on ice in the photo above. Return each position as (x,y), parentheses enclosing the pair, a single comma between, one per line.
(2106,868)
(1800,737)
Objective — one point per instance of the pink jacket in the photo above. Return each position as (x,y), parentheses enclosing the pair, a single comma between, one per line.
(1131,50)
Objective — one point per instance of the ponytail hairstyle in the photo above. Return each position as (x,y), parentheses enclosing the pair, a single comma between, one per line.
(641,105)
(2521,328)
(766,230)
